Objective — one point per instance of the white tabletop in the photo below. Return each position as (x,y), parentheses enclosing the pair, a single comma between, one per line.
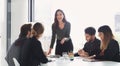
(78,61)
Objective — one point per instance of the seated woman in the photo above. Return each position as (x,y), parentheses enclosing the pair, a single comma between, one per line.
(36,54)
(109,46)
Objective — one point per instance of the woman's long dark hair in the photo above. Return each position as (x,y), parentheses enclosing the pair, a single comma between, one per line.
(55,19)
(108,35)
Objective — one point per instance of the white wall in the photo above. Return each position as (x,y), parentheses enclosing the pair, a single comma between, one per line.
(80,13)
(2,32)
(19,16)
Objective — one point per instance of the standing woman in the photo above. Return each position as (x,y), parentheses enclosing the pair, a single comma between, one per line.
(109,46)
(61,31)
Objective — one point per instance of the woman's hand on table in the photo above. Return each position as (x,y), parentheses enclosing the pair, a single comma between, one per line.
(49,52)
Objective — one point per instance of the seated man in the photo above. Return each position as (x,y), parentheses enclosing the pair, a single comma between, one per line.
(92,46)
(15,50)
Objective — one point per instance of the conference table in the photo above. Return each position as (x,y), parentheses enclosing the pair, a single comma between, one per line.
(79,61)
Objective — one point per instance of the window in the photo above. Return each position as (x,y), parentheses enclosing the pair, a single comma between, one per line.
(80,13)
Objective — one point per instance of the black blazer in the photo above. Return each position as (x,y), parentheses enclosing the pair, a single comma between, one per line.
(111,53)
(35,53)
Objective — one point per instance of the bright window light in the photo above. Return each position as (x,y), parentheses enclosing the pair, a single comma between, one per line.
(80,13)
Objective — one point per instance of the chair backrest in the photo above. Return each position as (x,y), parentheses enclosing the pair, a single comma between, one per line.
(16,62)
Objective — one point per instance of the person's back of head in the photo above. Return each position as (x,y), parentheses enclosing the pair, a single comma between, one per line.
(24,30)
(38,30)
